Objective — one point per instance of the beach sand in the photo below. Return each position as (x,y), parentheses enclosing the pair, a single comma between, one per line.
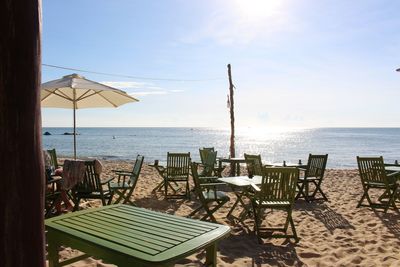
(333,233)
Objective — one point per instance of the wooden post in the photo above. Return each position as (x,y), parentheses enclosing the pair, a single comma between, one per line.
(232,112)
(22,177)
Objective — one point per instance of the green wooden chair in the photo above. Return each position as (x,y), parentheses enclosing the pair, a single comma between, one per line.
(209,165)
(53,158)
(91,187)
(313,174)
(177,172)
(373,175)
(277,191)
(254,164)
(205,160)
(210,199)
(126,182)
(52,196)
(204,153)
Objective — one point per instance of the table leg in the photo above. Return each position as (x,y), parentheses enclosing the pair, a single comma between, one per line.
(53,253)
(211,255)
(237,166)
(219,168)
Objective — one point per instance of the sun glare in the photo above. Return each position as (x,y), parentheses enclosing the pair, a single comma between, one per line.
(258,9)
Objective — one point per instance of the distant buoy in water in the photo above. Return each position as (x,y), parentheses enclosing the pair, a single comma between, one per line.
(113,136)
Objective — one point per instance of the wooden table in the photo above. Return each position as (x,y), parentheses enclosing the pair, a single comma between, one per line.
(240,186)
(130,236)
(289,164)
(234,161)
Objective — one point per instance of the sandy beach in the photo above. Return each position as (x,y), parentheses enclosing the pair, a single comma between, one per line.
(333,233)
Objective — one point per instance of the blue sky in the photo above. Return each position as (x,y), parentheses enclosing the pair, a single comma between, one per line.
(305,63)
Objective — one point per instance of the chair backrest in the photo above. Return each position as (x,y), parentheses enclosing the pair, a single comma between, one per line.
(91,180)
(278,184)
(372,169)
(316,166)
(136,169)
(53,158)
(197,185)
(178,165)
(254,164)
(204,153)
(209,163)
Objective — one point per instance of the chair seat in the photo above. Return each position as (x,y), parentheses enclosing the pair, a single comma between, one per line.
(308,178)
(277,203)
(378,184)
(119,185)
(94,194)
(215,195)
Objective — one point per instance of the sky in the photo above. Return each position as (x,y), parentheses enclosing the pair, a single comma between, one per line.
(295,64)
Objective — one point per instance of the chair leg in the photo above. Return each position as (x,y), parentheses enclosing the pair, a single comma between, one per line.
(195,211)
(76,202)
(307,191)
(301,190)
(363,197)
(292,226)
(257,217)
(318,189)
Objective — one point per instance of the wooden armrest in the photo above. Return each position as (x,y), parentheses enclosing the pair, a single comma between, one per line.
(255,187)
(211,184)
(107,181)
(393,174)
(302,169)
(120,171)
(208,178)
(123,173)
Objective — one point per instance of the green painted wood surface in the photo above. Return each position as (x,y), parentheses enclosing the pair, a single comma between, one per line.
(126,235)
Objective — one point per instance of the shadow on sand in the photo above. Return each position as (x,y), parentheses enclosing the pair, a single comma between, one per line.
(391,221)
(330,218)
(259,254)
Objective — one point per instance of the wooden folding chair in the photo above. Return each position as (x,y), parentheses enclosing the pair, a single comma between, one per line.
(210,199)
(177,172)
(91,187)
(313,174)
(277,191)
(126,182)
(254,164)
(373,176)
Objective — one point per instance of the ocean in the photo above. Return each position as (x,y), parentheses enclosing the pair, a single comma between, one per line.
(342,144)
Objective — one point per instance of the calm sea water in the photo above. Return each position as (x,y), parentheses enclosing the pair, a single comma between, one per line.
(342,144)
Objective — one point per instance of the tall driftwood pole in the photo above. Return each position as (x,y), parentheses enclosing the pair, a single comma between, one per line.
(232,112)
(21,165)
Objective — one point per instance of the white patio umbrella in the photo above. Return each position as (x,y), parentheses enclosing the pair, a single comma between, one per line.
(75,92)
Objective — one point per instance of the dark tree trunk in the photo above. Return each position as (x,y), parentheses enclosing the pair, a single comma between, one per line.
(231,109)
(21,167)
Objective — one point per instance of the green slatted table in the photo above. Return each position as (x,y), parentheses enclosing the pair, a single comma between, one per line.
(130,236)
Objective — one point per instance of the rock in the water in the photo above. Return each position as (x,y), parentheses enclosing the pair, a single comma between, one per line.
(47,133)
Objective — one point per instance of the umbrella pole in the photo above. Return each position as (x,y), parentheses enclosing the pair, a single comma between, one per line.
(74,125)
(74,135)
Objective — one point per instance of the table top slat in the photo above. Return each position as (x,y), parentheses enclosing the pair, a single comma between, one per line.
(159,223)
(180,220)
(149,228)
(84,229)
(129,233)
(137,230)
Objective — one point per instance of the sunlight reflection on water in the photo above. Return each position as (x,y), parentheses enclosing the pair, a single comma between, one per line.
(275,145)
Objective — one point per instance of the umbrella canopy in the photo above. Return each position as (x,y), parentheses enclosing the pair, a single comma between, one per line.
(75,92)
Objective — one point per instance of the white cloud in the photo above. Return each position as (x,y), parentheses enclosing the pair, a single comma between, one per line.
(144,93)
(124,85)
(143,88)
